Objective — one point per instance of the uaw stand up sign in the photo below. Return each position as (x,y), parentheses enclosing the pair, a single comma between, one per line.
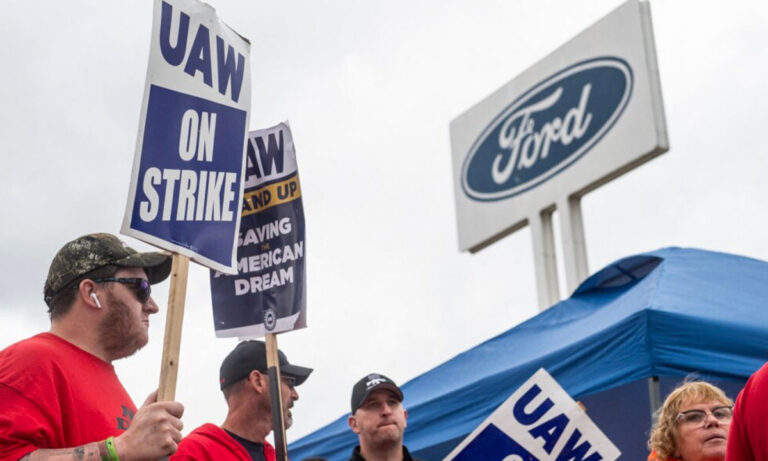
(587,113)
(268,294)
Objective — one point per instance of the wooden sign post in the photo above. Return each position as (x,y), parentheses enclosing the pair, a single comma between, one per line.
(173,322)
(276,398)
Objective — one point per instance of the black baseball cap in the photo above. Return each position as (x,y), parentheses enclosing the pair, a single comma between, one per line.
(252,355)
(372,382)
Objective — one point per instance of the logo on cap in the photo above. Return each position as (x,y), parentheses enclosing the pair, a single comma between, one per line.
(373,381)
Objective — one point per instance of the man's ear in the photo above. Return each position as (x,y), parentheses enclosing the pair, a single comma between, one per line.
(86,292)
(258,381)
(405,419)
(352,423)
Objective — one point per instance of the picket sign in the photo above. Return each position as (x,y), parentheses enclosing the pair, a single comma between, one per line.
(186,182)
(538,422)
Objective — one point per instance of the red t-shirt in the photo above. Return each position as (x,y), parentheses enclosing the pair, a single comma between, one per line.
(748,436)
(55,395)
(212,443)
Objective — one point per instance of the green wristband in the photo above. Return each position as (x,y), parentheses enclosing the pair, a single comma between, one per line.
(111,450)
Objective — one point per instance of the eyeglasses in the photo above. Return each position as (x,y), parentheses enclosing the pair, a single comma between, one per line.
(139,286)
(697,417)
(289,381)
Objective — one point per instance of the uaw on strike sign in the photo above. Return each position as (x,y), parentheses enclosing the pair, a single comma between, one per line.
(538,422)
(269,292)
(186,182)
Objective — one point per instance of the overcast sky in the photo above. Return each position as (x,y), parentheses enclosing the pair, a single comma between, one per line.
(369,88)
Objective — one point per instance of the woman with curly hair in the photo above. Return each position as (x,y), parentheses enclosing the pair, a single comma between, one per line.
(692,425)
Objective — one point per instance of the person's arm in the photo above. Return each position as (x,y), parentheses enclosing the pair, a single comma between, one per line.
(154,433)
(740,446)
(95,451)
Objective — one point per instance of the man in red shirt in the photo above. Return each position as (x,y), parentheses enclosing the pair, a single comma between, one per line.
(59,395)
(245,383)
(748,436)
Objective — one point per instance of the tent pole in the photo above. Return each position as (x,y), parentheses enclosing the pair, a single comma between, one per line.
(654,396)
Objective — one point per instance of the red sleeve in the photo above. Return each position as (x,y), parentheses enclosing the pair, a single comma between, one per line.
(748,437)
(190,449)
(24,426)
(187,451)
(738,442)
(269,452)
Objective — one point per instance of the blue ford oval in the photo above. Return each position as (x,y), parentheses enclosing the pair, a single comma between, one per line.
(547,129)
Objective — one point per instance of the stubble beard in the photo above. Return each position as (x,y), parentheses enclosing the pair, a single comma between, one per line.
(120,336)
(384,437)
(287,418)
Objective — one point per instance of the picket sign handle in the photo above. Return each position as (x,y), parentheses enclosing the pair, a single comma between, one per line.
(276,398)
(174,318)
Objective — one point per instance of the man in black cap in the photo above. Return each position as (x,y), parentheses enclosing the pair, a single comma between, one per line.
(245,383)
(379,419)
(59,395)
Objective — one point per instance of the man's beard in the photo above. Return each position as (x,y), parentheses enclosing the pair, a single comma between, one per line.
(120,336)
(287,418)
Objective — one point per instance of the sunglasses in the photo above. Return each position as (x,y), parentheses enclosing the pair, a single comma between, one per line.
(696,417)
(290,381)
(139,286)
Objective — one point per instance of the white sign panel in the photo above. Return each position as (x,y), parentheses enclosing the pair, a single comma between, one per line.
(538,422)
(186,185)
(585,114)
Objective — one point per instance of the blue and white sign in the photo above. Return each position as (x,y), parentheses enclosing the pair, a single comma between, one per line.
(539,422)
(582,116)
(186,184)
(269,292)
(547,129)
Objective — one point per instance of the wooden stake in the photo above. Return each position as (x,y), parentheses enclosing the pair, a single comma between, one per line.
(276,398)
(174,318)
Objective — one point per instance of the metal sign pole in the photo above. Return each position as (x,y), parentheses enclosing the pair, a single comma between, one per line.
(544,259)
(572,238)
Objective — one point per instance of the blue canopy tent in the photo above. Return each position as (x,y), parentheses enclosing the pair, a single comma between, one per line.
(627,335)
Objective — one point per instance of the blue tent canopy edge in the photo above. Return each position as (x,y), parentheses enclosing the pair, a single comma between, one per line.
(670,312)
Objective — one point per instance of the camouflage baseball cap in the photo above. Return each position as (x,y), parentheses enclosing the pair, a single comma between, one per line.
(90,252)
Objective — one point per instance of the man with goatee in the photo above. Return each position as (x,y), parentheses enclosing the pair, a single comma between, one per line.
(245,382)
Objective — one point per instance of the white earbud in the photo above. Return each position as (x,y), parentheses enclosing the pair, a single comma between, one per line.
(96,300)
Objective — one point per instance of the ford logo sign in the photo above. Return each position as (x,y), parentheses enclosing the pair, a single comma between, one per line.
(547,129)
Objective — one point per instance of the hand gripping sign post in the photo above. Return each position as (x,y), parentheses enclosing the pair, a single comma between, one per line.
(538,422)
(268,294)
(186,183)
